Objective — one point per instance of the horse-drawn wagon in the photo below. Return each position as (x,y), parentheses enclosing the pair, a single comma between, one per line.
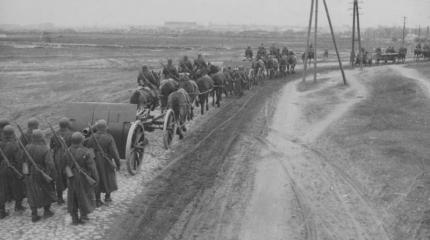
(126,126)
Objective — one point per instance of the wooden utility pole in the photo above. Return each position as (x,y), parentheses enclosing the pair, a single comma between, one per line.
(315,40)
(307,41)
(334,42)
(404,29)
(353,36)
(359,34)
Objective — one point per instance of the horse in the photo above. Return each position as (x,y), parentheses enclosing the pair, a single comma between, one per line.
(219,80)
(228,84)
(167,86)
(402,54)
(145,98)
(311,56)
(291,62)
(283,62)
(259,70)
(190,86)
(180,102)
(206,85)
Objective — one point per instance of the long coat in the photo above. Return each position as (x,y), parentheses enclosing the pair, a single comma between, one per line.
(59,156)
(11,187)
(107,176)
(80,195)
(40,193)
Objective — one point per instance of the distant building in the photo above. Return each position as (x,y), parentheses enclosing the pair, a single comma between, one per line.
(181,25)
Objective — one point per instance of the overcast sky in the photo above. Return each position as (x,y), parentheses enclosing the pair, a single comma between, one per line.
(155,12)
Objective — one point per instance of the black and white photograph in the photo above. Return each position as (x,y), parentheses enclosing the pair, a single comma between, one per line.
(215,120)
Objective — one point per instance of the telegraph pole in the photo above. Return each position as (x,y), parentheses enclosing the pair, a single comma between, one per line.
(332,35)
(404,28)
(315,41)
(353,36)
(359,34)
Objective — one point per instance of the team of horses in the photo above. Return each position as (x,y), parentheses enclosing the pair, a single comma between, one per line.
(196,87)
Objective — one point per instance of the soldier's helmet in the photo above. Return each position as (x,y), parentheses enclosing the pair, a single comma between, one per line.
(33,123)
(8,131)
(38,136)
(77,138)
(64,123)
(3,122)
(101,125)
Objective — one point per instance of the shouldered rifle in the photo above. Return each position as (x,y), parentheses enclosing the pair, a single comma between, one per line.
(9,165)
(22,133)
(44,175)
(100,149)
(89,179)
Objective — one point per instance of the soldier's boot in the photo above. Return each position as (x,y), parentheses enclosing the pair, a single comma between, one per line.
(18,206)
(47,211)
(108,198)
(3,212)
(75,219)
(60,199)
(34,216)
(84,216)
(99,202)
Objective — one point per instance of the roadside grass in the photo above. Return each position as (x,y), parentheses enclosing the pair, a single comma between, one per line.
(383,145)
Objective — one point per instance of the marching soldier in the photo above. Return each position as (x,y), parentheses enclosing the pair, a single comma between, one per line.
(32,124)
(59,156)
(170,71)
(185,65)
(41,171)
(3,123)
(105,150)
(11,184)
(80,192)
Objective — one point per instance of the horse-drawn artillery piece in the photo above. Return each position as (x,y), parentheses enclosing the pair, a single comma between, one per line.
(390,55)
(127,127)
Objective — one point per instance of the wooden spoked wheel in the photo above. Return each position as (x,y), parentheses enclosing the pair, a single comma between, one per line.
(169,128)
(135,147)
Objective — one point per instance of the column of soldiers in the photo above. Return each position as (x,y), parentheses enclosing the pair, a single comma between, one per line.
(32,168)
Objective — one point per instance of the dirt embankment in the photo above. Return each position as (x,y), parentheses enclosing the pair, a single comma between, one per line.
(382,146)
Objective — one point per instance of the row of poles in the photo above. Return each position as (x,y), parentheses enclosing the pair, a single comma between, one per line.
(314,9)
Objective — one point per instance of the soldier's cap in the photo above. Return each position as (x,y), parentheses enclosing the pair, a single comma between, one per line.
(64,122)
(101,124)
(38,135)
(3,123)
(8,130)
(33,123)
(77,138)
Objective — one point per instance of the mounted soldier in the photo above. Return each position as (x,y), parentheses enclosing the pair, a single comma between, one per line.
(3,123)
(185,65)
(148,83)
(200,63)
(11,184)
(59,156)
(170,71)
(107,161)
(261,53)
(248,53)
(284,51)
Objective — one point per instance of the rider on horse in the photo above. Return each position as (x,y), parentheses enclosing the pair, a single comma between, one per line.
(170,71)
(185,65)
(248,53)
(147,81)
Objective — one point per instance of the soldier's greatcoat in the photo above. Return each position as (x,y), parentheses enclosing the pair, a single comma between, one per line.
(59,156)
(40,193)
(80,195)
(11,187)
(107,176)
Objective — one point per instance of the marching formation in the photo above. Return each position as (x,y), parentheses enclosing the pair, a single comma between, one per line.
(40,170)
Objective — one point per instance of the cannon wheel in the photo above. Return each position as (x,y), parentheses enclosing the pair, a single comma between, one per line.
(169,128)
(134,148)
